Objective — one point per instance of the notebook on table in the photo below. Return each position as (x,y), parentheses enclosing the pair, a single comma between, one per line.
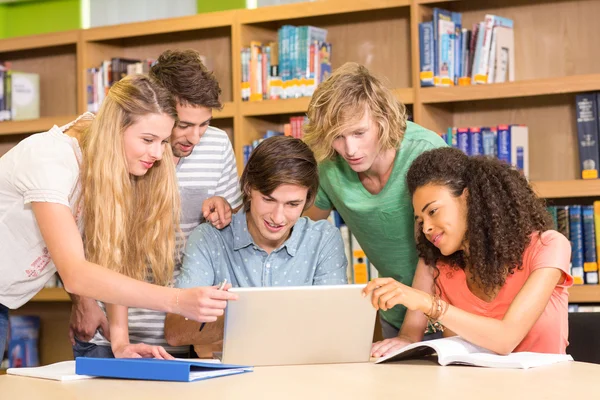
(156,370)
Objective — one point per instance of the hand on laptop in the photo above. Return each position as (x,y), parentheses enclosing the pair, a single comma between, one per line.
(203,304)
(388,346)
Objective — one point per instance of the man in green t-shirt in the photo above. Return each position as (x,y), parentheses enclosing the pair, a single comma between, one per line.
(359,133)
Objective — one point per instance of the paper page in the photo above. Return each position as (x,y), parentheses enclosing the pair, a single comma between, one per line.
(521,360)
(61,371)
(196,375)
(202,360)
(445,349)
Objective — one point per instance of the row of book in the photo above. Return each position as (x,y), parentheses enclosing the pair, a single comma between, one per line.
(587,112)
(509,143)
(453,55)
(19,94)
(293,129)
(100,79)
(581,225)
(291,67)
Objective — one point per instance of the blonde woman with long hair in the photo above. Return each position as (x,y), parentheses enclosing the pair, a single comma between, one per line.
(97,201)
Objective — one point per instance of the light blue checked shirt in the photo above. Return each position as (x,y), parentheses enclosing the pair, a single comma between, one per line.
(312,255)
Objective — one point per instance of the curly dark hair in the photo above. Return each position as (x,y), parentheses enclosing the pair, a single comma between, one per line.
(187,78)
(502,213)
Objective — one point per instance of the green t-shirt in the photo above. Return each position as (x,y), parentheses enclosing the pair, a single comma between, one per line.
(382,223)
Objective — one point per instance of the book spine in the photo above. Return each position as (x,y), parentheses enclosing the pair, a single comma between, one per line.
(426,53)
(586,110)
(576,232)
(590,262)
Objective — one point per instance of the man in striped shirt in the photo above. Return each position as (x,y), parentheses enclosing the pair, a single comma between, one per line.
(209,189)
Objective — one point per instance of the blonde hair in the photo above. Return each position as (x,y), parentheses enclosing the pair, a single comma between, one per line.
(342,100)
(130,222)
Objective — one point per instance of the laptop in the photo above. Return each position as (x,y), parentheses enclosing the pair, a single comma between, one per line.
(298,325)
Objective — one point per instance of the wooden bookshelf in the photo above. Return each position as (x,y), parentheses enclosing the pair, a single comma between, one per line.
(584,294)
(567,189)
(33,125)
(525,88)
(299,105)
(51,294)
(554,62)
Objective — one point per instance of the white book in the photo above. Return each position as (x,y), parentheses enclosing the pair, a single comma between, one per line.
(455,350)
(60,371)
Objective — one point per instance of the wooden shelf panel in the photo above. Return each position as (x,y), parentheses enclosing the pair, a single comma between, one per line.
(584,294)
(33,125)
(534,87)
(228,111)
(567,189)
(313,9)
(51,294)
(39,41)
(273,107)
(300,105)
(155,27)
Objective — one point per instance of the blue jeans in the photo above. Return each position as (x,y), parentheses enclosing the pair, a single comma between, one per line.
(86,349)
(3,329)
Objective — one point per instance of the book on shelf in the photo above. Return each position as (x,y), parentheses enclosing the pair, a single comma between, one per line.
(509,143)
(24,332)
(290,67)
(581,225)
(19,94)
(455,55)
(455,350)
(588,133)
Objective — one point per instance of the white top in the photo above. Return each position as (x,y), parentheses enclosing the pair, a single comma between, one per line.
(43,168)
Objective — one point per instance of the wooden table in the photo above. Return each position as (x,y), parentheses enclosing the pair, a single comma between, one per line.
(417,379)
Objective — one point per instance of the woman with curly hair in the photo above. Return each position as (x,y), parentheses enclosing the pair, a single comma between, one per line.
(491,269)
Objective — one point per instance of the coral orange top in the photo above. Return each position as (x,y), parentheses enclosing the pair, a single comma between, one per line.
(551,331)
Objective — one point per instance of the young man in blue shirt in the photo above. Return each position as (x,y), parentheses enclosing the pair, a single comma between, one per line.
(268,243)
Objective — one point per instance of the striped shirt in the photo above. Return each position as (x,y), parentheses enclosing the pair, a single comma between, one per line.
(210,170)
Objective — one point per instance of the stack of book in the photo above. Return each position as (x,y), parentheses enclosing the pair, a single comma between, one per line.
(293,129)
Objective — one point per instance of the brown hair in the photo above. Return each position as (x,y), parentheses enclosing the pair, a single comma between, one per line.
(280,160)
(187,78)
(502,213)
(341,101)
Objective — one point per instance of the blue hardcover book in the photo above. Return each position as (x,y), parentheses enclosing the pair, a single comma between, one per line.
(476,141)
(504,145)
(488,142)
(590,262)
(586,110)
(576,232)
(426,53)
(464,141)
(155,370)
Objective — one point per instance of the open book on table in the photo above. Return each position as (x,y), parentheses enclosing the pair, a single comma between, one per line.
(455,350)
